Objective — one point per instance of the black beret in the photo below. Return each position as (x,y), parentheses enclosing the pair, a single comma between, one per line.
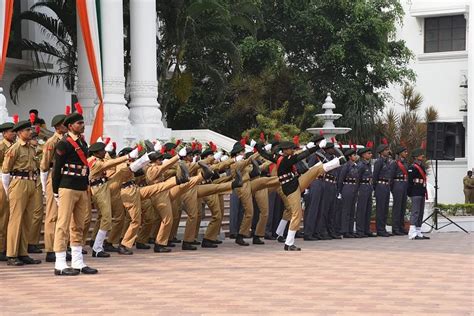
(237,148)
(6,126)
(329,145)
(125,151)
(206,152)
(169,146)
(349,152)
(417,152)
(364,150)
(317,138)
(73,118)
(167,156)
(381,148)
(21,125)
(57,119)
(99,146)
(399,149)
(287,145)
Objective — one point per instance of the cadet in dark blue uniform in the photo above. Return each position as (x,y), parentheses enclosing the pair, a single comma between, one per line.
(382,181)
(326,226)
(399,176)
(347,185)
(417,192)
(364,197)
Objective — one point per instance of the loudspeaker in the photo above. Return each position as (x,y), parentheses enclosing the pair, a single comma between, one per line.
(445,140)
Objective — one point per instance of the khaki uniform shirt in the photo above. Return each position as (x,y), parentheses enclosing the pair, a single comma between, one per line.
(47,159)
(4,146)
(20,157)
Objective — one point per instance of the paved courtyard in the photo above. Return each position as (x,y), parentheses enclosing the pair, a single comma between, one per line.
(372,276)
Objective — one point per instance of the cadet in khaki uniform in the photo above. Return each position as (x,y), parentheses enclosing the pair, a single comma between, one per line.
(46,164)
(131,196)
(98,182)
(20,164)
(70,180)
(38,210)
(293,185)
(9,137)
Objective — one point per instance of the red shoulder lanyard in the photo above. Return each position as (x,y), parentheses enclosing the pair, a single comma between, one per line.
(78,150)
(402,168)
(423,175)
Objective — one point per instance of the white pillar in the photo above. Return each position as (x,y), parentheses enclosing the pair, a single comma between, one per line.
(145,111)
(84,86)
(470,92)
(116,122)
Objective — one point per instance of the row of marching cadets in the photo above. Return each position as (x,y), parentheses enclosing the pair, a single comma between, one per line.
(338,202)
(140,192)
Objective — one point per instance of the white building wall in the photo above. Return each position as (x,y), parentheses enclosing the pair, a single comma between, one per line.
(438,80)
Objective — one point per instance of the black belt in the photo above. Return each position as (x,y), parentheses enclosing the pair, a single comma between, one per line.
(383,181)
(328,176)
(366,181)
(128,184)
(25,175)
(400,179)
(349,181)
(99,181)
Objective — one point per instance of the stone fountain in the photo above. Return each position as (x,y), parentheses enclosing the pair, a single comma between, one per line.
(329,117)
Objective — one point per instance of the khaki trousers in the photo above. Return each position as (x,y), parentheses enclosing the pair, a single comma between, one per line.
(37,217)
(21,196)
(212,230)
(261,198)
(73,211)
(131,197)
(87,223)
(103,204)
(51,216)
(162,204)
(149,217)
(4,215)
(295,198)
(118,212)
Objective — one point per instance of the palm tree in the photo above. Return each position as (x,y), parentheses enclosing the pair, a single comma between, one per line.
(58,46)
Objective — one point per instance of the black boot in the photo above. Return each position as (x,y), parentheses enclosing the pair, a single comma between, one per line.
(237,183)
(143,246)
(50,257)
(151,241)
(100,254)
(187,246)
(195,242)
(207,173)
(122,250)
(281,239)
(175,240)
(240,240)
(269,237)
(255,169)
(292,248)
(13,261)
(161,248)
(184,174)
(108,247)
(170,244)
(34,249)
(29,260)
(206,243)
(3,256)
(257,241)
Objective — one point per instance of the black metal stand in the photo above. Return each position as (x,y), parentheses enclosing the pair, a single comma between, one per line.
(437,211)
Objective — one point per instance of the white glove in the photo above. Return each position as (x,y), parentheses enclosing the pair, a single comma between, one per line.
(41,141)
(165,160)
(133,154)
(139,163)
(339,196)
(56,198)
(6,181)
(195,158)
(157,146)
(109,147)
(268,147)
(253,143)
(239,158)
(322,143)
(218,155)
(182,152)
(224,158)
(248,149)
(99,140)
(310,145)
(44,180)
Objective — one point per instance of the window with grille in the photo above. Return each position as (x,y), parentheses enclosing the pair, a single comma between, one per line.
(444,34)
